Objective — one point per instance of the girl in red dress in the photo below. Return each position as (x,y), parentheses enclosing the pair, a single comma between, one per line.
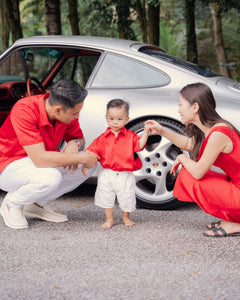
(210,140)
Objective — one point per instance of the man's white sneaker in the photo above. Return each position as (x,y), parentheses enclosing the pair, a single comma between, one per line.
(13,217)
(45,213)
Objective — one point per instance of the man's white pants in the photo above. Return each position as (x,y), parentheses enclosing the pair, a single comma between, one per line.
(27,184)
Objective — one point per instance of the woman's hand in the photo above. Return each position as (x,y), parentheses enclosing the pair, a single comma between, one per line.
(154,126)
(176,164)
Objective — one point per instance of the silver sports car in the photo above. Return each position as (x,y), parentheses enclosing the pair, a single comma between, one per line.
(144,75)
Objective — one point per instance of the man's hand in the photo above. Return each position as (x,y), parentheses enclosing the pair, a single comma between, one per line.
(91,159)
(73,147)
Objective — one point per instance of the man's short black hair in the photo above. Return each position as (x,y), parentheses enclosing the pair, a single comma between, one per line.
(118,103)
(67,93)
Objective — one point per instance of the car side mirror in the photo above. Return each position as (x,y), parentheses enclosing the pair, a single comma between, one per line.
(28,57)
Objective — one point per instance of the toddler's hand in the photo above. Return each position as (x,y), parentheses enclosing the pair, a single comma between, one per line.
(147,128)
(154,126)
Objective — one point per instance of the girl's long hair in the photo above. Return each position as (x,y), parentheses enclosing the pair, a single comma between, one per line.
(202,95)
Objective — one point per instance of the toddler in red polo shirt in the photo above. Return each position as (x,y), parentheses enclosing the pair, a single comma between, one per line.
(116,148)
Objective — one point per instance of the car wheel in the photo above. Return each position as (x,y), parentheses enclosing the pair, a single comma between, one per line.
(154,183)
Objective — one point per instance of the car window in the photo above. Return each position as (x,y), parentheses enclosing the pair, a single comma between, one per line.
(120,72)
(13,68)
(78,68)
(28,62)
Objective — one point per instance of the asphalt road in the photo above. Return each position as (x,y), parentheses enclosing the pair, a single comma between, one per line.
(164,256)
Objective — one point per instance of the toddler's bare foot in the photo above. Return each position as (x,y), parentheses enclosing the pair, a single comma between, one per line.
(128,222)
(108,224)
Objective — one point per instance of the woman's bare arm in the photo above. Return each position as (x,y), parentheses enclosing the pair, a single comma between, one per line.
(181,141)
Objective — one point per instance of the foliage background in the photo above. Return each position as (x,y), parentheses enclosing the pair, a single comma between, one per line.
(99,18)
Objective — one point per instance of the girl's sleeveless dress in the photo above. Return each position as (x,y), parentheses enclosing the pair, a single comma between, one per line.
(216,193)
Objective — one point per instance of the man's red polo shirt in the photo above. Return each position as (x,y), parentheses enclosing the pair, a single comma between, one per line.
(117,153)
(28,124)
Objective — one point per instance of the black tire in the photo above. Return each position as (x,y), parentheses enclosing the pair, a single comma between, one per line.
(154,183)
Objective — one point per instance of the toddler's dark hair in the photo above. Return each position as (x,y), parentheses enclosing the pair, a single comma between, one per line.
(118,103)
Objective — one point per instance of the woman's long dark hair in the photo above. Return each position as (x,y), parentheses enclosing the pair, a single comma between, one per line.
(202,95)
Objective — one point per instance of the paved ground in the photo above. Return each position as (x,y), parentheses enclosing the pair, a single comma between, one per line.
(164,256)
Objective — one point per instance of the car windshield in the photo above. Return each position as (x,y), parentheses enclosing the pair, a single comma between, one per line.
(158,53)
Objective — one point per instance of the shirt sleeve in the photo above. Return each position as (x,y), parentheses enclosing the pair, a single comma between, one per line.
(93,147)
(73,131)
(25,125)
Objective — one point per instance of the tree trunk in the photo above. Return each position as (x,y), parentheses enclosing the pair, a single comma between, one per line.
(218,39)
(153,23)
(142,17)
(73,16)
(53,17)
(4,23)
(14,19)
(124,22)
(192,54)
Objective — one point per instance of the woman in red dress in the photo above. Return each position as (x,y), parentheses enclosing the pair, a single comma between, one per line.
(210,140)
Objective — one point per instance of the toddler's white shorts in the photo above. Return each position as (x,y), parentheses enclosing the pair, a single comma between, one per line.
(112,185)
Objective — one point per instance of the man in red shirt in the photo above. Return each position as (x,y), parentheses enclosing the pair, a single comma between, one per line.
(33,169)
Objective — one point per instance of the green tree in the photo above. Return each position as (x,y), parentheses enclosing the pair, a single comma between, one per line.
(5,26)
(123,19)
(10,22)
(14,19)
(149,18)
(189,14)
(53,17)
(32,12)
(173,27)
(218,7)
(141,8)
(153,21)
(97,18)
(218,38)
(73,16)
(171,42)
(138,20)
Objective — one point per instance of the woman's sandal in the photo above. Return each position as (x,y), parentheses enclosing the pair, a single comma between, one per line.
(214,225)
(223,233)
